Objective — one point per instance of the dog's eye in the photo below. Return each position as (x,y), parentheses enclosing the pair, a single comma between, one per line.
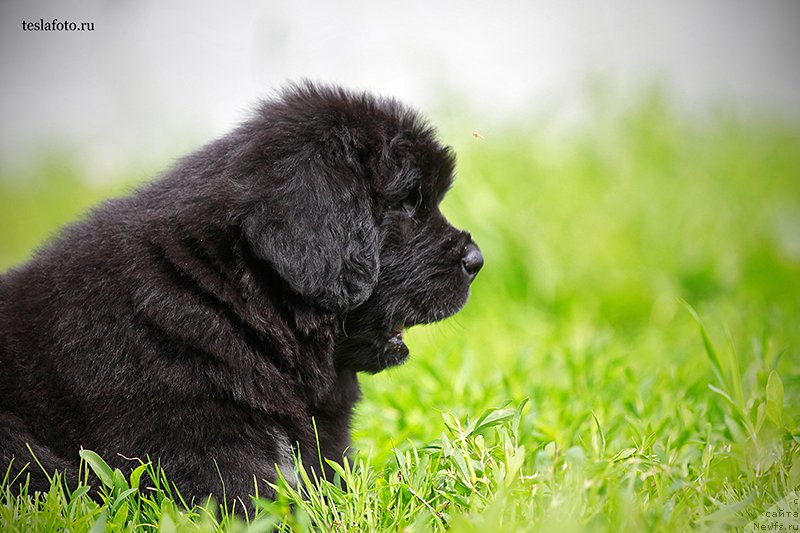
(409,204)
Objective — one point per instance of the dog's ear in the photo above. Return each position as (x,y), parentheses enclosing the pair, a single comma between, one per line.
(318,232)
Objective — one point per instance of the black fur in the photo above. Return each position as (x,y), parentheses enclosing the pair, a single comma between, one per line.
(216,312)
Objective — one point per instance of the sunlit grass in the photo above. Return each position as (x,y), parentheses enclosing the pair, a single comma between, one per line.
(629,360)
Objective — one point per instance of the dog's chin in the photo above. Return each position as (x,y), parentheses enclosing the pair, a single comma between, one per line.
(395,351)
(371,343)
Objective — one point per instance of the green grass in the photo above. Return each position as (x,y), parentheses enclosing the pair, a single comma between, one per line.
(629,360)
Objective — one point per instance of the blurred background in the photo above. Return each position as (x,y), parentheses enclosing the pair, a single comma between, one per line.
(154,77)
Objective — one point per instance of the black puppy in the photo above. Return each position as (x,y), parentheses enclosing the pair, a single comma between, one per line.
(223,311)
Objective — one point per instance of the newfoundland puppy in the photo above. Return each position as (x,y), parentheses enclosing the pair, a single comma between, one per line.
(216,320)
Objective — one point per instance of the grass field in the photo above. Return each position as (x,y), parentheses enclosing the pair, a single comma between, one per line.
(629,359)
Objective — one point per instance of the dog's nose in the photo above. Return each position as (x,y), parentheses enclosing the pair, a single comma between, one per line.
(472,261)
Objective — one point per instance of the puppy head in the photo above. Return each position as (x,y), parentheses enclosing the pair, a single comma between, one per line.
(343,194)
(426,265)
